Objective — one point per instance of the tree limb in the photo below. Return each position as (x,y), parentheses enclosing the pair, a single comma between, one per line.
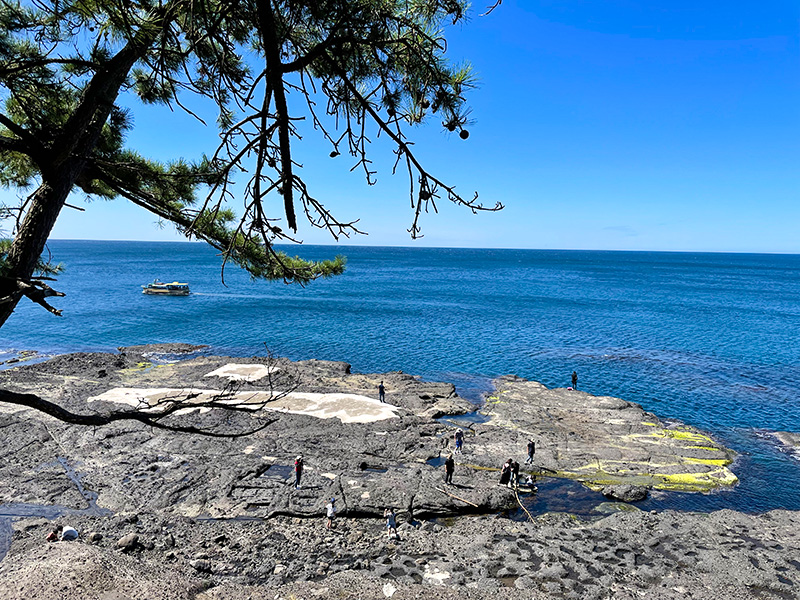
(11,290)
(266,19)
(151,419)
(43,62)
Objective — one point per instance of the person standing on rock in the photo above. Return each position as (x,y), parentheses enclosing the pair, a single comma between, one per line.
(459,437)
(505,472)
(449,468)
(531,451)
(381,392)
(331,512)
(574,380)
(514,474)
(298,470)
(391,523)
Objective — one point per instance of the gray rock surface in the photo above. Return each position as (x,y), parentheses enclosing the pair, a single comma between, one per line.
(94,537)
(128,542)
(629,555)
(367,466)
(600,440)
(220,518)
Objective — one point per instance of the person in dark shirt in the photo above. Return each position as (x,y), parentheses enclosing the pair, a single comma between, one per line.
(574,380)
(381,392)
(505,473)
(514,474)
(391,523)
(298,471)
(531,451)
(449,468)
(459,437)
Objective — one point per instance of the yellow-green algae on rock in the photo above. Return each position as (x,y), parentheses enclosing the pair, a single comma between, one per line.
(139,368)
(601,440)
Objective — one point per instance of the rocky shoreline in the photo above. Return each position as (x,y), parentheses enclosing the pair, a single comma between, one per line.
(219,518)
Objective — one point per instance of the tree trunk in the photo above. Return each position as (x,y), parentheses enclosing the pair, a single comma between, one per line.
(45,206)
(68,160)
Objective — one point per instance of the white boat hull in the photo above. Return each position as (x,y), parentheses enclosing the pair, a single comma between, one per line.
(159,288)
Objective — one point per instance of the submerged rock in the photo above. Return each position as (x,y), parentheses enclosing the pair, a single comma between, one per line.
(625,493)
(790,441)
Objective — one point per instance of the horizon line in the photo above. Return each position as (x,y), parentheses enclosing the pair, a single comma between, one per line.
(307,245)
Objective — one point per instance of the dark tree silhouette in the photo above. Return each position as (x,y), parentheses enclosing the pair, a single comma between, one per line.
(359,67)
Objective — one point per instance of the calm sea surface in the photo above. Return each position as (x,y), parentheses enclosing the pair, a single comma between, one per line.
(710,339)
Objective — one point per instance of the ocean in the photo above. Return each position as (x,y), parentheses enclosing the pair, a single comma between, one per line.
(708,339)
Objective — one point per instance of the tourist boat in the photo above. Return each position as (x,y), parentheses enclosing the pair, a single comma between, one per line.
(158,288)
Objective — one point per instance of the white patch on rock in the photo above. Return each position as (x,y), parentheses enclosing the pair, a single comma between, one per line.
(389,590)
(435,575)
(144,397)
(365,495)
(243,372)
(249,449)
(330,476)
(348,408)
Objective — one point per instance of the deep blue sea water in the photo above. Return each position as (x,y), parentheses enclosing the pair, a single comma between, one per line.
(710,339)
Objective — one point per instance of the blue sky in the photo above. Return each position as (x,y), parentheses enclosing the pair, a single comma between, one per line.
(599,124)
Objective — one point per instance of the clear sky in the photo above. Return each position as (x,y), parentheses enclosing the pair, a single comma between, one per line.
(668,125)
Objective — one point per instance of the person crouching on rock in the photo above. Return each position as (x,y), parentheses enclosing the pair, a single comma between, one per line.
(298,470)
(331,512)
(62,533)
(391,523)
(449,468)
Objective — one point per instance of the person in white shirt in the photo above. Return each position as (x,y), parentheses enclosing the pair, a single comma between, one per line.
(331,511)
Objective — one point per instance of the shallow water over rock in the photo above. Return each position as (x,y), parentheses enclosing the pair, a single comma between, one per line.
(5,536)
